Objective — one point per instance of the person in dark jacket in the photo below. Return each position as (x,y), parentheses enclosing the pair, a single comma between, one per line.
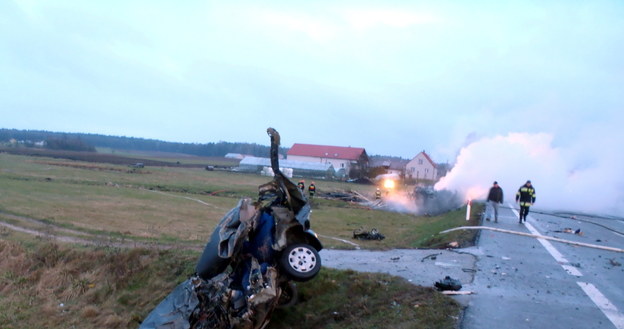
(526,198)
(495,197)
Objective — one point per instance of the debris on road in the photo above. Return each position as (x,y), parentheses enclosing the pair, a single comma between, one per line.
(432,256)
(569,230)
(448,284)
(451,292)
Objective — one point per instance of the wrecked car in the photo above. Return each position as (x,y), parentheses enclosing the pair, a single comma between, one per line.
(432,202)
(248,265)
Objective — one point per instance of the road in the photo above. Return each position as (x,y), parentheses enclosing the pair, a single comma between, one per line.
(524,282)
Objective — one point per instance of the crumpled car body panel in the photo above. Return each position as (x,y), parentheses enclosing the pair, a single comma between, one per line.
(175,310)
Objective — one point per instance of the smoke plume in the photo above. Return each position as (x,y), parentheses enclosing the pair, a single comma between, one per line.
(584,176)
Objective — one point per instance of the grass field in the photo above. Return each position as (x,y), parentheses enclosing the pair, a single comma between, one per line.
(182,204)
(104,287)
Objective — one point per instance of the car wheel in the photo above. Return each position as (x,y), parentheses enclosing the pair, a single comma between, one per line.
(289,296)
(301,262)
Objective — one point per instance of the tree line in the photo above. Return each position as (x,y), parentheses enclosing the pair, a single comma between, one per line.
(88,142)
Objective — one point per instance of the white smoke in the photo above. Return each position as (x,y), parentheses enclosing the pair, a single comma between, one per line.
(400,202)
(586,176)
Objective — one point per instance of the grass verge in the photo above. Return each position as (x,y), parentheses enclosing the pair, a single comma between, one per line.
(44,285)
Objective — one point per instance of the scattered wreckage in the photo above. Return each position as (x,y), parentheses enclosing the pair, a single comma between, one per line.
(448,283)
(249,263)
(425,200)
(363,234)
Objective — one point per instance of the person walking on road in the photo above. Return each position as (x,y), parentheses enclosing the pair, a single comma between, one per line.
(495,197)
(526,197)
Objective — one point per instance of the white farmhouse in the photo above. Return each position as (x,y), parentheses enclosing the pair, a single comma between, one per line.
(421,167)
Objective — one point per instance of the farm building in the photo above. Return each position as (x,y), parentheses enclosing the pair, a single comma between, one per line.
(348,161)
(299,168)
(392,166)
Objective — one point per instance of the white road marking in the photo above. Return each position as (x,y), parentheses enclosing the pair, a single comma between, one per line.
(609,310)
(551,249)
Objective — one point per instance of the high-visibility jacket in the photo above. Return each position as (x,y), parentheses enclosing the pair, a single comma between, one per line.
(526,195)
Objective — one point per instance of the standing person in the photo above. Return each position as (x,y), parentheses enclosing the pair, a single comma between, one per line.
(377,194)
(526,197)
(312,190)
(495,197)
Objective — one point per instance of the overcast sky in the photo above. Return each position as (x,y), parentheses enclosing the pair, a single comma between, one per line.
(394,77)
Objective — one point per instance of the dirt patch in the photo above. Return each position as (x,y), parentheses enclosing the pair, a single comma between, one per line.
(83,166)
(54,233)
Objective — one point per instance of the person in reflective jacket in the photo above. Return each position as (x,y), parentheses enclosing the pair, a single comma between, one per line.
(526,198)
(312,190)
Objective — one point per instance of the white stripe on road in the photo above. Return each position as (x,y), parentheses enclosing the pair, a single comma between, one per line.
(551,249)
(609,310)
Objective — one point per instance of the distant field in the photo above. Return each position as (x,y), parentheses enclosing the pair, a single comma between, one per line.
(172,204)
(128,158)
(173,158)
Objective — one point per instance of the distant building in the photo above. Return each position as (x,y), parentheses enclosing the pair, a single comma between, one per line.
(421,167)
(348,161)
(237,156)
(288,167)
(390,165)
(240,156)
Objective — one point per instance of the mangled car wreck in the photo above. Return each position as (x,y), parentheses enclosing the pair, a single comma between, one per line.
(249,263)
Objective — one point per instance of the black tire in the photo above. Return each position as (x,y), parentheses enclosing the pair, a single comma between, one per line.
(289,296)
(301,262)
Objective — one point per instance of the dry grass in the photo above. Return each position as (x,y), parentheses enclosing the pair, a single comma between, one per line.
(44,285)
(47,286)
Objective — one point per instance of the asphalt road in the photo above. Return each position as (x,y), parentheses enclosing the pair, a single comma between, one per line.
(524,282)
(519,281)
